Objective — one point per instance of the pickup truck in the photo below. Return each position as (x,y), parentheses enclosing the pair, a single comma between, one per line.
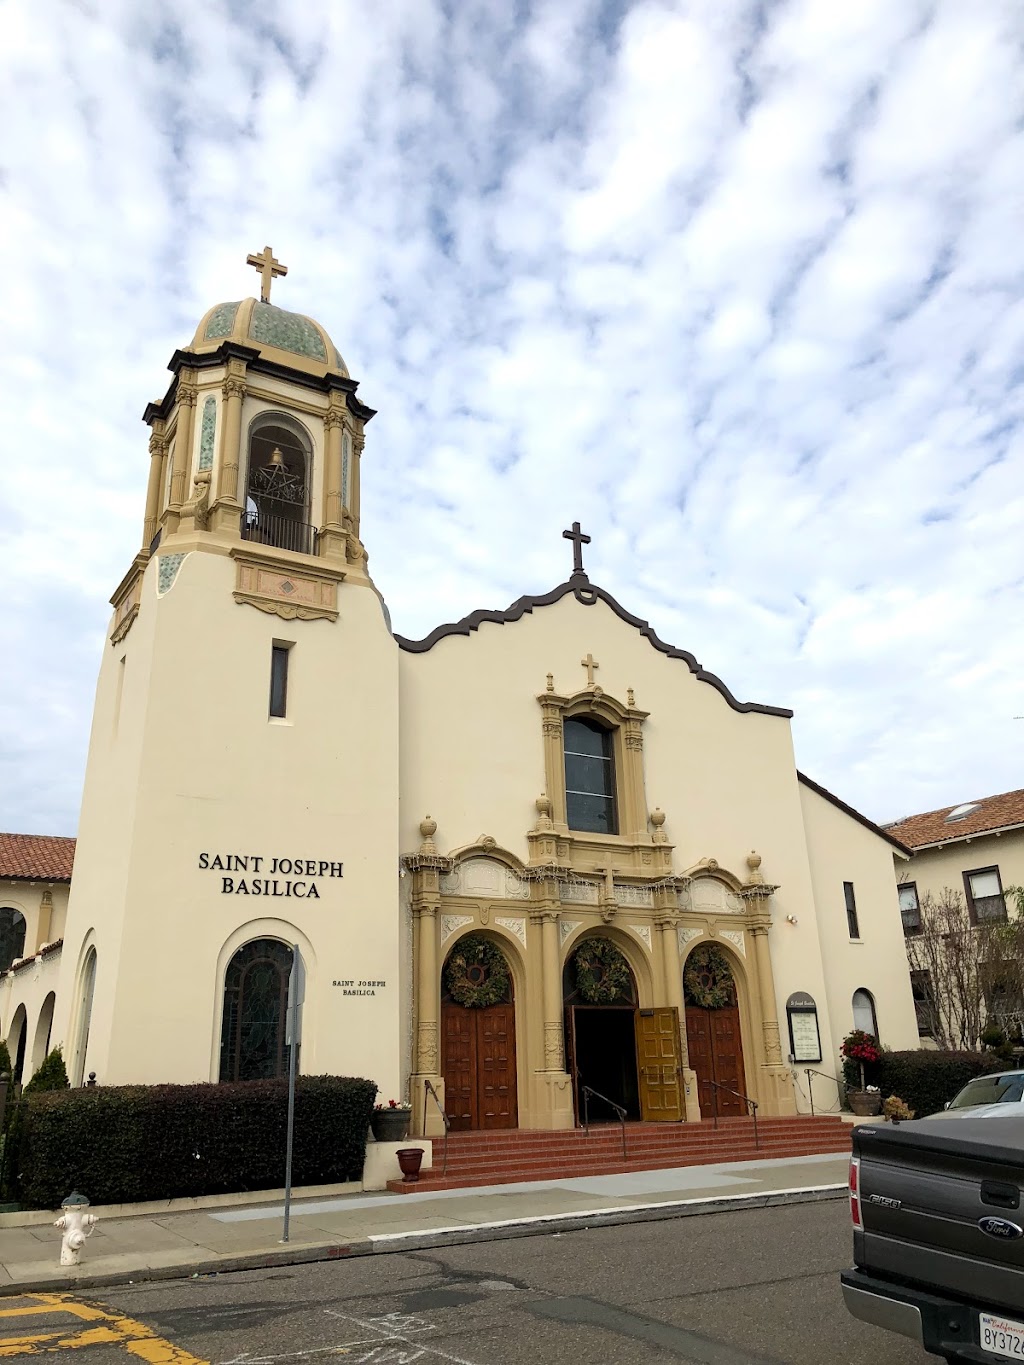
(938,1234)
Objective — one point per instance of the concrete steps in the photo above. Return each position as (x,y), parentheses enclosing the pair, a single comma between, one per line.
(511,1156)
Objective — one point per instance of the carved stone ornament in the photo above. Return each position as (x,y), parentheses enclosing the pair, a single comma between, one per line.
(451,924)
(514,926)
(426,1047)
(187,395)
(643,932)
(193,512)
(633,895)
(736,938)
(686,936)
(553,1053)
(269,587)
(233,387)
(333,417)
(566,928)
(772,1045)
(126,609)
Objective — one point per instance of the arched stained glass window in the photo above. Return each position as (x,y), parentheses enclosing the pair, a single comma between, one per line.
(12,936)
(864,1012)
(252,1040)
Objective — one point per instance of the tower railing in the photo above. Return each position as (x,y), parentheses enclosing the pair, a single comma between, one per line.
(283,532)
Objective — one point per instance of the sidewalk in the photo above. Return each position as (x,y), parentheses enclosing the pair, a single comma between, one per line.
(165,1245)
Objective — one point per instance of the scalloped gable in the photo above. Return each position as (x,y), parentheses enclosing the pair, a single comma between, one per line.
(587,594)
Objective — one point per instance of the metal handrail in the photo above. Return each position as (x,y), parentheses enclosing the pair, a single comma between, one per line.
(751,1104)
(429,1090)
(587,1090)
(810,1071)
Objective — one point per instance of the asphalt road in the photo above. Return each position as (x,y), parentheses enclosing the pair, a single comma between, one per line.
(725,1289)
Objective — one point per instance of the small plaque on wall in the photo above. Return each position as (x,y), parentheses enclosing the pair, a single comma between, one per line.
(804,1037)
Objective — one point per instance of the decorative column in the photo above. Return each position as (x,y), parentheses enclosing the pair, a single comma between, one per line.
(668,924)
(186,398)
(227,508)
(157,456)
(426,867)
(554,1044)
(333,540)
(551,1104)
(776,1094)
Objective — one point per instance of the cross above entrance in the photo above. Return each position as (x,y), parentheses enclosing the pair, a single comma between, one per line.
(578,541)
(268,268)
(590,663)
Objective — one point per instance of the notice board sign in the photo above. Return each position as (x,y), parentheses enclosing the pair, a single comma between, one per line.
(804,1037)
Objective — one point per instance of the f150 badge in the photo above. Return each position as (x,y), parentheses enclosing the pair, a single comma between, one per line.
(1000,1227)
(885,1203)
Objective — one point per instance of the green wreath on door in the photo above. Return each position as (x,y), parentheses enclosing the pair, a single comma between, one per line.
(708,978)
(602,973)
(476,974)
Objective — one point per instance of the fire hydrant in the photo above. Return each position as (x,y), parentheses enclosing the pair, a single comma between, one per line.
(77,1225)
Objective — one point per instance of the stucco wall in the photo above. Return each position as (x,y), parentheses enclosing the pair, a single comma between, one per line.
(842,850)
(934,868)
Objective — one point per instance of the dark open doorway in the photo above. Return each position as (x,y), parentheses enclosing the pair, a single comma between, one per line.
(605,1059)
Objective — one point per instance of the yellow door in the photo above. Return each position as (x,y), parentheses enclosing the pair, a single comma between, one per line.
(657,1061)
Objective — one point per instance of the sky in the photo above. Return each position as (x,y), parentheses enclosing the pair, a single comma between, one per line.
(736,285)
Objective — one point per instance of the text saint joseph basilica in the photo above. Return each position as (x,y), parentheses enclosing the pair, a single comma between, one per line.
(538,852)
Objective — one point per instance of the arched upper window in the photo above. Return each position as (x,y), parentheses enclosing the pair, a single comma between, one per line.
(12,936)
(589,776)
(252,1039)
(277,488)
(864,1012)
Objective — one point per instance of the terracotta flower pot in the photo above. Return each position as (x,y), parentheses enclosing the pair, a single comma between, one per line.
(864,1103)
(390,1125)
(409,1161)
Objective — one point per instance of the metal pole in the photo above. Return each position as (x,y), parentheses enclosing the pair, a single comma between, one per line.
(810,1089)
(293,1010)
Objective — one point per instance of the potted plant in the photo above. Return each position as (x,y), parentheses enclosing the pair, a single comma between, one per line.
(390,1122)
(860,1050)
(896,1110)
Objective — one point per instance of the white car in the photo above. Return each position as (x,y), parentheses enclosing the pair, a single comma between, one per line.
(987,1097)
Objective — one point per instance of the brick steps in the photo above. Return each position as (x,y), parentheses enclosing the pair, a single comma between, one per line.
(509,1157)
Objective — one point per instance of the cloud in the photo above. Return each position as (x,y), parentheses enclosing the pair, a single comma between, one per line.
(738,286)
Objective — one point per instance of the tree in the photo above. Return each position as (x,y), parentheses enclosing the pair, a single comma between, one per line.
(974,972)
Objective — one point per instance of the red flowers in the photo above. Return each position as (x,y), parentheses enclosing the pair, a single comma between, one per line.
(861,1047)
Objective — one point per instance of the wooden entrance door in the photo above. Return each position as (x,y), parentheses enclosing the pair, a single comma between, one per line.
(658,1065)
(716,1054)
(480,1066)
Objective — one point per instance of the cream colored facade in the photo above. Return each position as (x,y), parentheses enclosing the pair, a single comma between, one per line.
(413,792)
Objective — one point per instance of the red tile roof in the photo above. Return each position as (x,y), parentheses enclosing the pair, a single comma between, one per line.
(994,812)
(36,857)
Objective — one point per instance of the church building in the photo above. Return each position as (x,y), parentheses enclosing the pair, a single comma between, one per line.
(538,861)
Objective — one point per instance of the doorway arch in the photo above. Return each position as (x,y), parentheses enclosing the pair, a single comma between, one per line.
(478,1035)
(714,1034)
(600,997)
(252,1043)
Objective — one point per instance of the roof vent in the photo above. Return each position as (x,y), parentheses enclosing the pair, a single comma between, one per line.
(962,812)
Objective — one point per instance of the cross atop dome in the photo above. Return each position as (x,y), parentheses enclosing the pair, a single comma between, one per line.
(268,268)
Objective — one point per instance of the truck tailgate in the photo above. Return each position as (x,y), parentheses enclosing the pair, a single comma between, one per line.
(941,1204)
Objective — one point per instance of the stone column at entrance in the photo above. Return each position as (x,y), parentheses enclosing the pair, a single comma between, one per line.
(669,926)
(551,1101)
(426,867)
(776,1091)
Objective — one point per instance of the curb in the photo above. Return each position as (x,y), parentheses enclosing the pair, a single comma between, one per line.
(540,1225)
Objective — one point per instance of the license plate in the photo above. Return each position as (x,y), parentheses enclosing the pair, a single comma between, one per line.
(1001,1336)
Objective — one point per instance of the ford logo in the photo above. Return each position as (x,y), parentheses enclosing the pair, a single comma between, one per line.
(1000,1227)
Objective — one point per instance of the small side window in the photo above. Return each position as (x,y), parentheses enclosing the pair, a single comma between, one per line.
(279,680)
(851,910)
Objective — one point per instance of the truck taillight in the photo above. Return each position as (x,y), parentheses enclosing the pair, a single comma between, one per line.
(855,1192)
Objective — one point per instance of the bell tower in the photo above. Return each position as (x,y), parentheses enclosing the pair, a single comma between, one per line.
(242,781)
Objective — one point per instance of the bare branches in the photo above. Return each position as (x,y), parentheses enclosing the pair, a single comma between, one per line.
(975,972)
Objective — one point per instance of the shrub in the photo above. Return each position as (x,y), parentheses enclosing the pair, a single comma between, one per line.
(122,1144)
(5,1059)
(51,1075)
(927,1079)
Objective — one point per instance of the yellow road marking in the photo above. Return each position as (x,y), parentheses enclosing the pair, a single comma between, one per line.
(137,1339)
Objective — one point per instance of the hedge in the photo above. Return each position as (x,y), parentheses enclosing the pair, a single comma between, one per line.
(122,1144)
(927,1079)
